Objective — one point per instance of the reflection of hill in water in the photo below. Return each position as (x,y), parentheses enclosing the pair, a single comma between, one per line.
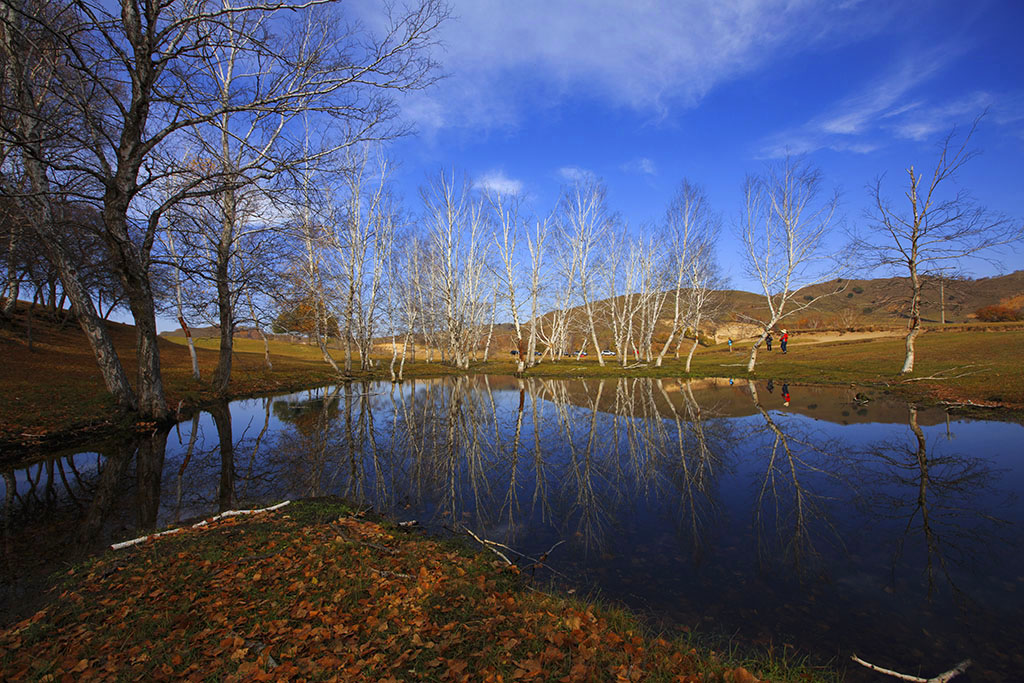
(828,403)
(717,396)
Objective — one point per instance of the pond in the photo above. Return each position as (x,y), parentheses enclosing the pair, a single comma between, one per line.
(827,524)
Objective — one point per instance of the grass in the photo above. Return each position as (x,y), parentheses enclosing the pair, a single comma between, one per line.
(318,591)
(53,393)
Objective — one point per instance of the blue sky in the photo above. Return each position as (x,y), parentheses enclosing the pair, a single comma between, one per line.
(644,93)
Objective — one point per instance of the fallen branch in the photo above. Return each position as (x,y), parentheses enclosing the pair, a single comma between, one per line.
(943,374)
(941,678)
(490,546)
(142,539)
(387,575)
(537,562)
(229,513)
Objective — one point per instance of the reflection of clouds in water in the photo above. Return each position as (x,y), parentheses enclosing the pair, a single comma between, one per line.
(943,499)
(655,490)
(568,456)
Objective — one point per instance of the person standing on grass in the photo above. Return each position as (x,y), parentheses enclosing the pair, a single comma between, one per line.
(768,340)
(730,344)
(784,341)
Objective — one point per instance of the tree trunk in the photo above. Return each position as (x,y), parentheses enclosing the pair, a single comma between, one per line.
(915,323)
(689,356)
(132,268)
(222,375)
(114,376)
(191,344)
(756,346)
(753,358)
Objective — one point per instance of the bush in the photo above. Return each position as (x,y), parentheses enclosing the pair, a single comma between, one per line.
(850,295)
(808,297)
(997,314)
(858,290)
(868,310)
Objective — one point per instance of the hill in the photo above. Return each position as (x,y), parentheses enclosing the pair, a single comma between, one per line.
(863,304)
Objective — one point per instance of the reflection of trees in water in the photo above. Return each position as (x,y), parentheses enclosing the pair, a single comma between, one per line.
(538,452)
(941,500)
(789,508)
(695,464)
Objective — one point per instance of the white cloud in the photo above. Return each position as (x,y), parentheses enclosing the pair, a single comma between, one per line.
(642,166)
(886,106)
(571,174)
(647,55)
(498,183)
(931,120)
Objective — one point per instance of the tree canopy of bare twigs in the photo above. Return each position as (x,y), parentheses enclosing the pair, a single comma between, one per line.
(126,83)
(783,229)
(937,228)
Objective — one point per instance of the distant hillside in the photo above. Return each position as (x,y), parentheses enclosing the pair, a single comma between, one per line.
(880,302)
(863,303)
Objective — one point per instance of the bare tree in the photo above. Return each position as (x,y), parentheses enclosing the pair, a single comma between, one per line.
(783,229)
(507,226)
(689,229)
(703,283)
(35,38)
(583,220)
(535,242)
(936,231)
(363,243)
(132,76)
(459,249)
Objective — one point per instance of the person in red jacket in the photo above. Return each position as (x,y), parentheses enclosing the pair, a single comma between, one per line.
(784,341)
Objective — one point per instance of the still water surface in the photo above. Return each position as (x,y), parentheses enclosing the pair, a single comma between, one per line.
(827,526)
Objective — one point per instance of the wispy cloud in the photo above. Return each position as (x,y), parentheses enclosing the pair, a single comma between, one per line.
(642,54)
(642,166)
(571,174)
(498,183)
(888,106)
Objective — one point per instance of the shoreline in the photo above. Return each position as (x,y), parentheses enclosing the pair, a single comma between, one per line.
(266,616)
(27,447)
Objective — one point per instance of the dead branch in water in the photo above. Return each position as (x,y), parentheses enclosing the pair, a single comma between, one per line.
(489,545)
(941,678)
(537,562)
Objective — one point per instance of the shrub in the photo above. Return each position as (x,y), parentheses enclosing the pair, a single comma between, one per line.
(868,310)
(850,295)
(997,314)
(808,297)
(858,290)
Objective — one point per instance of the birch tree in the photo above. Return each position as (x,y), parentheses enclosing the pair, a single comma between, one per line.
(583,221)
(507,228)
(688,231)
(458,243)
(783,229)
(938,227)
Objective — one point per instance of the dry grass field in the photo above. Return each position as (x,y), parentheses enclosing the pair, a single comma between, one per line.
(53,392)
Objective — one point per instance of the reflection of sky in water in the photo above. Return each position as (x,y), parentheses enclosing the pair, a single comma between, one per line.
(666,502)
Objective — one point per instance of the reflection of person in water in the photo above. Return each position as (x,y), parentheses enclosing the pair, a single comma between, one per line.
(785,393)
(771,386)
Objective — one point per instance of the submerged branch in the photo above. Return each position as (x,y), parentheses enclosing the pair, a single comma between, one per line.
(941,678)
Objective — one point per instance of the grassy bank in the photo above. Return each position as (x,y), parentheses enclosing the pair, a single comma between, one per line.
(316,592)
(52,393)
(971,367)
